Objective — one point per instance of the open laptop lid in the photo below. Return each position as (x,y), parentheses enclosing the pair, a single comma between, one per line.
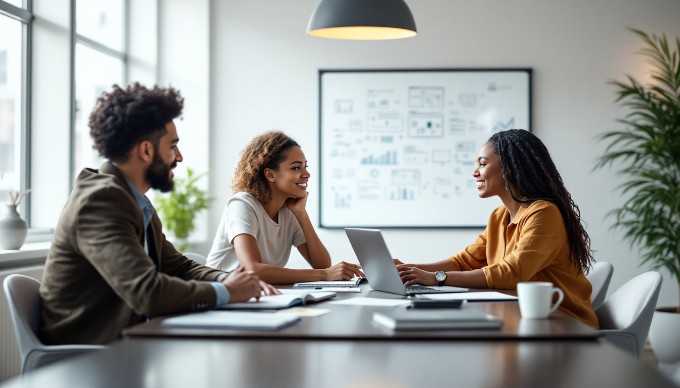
(378,265)
(376,261)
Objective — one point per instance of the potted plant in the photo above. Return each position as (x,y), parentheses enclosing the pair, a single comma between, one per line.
(647,148)
(178,208)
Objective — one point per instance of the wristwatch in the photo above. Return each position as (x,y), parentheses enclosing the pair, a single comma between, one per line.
(441,277)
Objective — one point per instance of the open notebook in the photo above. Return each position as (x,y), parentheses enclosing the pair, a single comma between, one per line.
(288,298)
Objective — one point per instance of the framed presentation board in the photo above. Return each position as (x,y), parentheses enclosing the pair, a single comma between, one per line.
(398,147)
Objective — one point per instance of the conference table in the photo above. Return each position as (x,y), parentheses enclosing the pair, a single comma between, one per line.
(344,348)
(355,322)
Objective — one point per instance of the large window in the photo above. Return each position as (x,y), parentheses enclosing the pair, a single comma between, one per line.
(18,3)
(12,96)
(56,59)
(100,62)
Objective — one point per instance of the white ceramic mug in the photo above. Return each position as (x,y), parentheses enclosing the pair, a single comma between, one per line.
(535,299)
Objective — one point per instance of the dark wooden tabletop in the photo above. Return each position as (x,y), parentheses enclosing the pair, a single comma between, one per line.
(196,363)
(345,322)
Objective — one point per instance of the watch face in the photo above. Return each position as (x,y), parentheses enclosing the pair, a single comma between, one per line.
(440,276)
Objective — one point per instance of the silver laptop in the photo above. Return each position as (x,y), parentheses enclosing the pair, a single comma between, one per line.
(378,266)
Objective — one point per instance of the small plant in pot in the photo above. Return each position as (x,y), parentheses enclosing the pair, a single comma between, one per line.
(647,150)
(178,208)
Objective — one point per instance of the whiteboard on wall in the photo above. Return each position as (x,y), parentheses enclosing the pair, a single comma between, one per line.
(398,147)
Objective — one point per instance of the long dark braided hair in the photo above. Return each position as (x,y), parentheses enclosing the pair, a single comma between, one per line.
(530,175)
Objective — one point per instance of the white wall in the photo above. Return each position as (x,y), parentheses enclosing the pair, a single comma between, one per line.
(264,76)
(50,111)
(184,63)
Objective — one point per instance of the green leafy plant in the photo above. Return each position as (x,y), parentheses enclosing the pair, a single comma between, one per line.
(178,208)
(648,150)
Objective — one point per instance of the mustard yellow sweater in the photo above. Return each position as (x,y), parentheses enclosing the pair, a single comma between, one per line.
(533,247)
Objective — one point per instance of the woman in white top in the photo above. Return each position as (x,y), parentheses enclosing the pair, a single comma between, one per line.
(266,217)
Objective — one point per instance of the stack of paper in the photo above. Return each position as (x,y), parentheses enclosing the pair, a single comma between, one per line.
(402,319)
(232,320)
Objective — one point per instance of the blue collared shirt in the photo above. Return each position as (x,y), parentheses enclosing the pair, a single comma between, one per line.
(147,211)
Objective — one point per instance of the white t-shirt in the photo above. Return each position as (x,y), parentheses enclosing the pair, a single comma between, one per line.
(245,214)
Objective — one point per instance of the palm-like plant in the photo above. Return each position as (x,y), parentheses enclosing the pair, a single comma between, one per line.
(648,150)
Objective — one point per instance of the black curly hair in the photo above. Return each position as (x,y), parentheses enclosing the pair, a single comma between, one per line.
(125,116)
(530,174)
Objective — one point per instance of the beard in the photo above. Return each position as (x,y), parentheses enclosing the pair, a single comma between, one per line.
(158,174)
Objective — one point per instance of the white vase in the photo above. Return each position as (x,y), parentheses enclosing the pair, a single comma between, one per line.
(12,228)
(664,337)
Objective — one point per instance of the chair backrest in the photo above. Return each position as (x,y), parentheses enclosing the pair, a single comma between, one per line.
(600,276)
(625,317)
(24,306)
(197,257)
(24,303)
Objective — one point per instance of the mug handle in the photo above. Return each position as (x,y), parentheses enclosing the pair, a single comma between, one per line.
(560,297)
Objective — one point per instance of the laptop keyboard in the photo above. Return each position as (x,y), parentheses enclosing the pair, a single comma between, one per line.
(418,288)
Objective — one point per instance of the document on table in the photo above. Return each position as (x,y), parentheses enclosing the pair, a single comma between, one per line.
(372,302)
(303,312)
(326,289)
(331,285)
(400,319)
(354,282)
(483,296)
(232,320)
(288,298)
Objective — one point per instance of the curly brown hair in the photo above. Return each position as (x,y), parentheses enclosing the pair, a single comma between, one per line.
(267,150)
(124,117)
(530,171)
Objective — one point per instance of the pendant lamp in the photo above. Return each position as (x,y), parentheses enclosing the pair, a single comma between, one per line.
(362,20)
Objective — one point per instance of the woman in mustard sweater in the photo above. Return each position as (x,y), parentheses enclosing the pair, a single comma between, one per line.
(536,235)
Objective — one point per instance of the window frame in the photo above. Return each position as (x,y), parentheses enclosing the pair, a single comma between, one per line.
(123,56)
(25,17)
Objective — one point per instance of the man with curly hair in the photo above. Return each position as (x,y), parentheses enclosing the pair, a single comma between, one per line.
(109,265)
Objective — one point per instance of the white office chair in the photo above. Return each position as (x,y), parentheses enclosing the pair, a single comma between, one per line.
(24,306)
(600,276)
(197,257)
(625,317)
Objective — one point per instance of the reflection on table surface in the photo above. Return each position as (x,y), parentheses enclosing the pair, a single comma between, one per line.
(197,363)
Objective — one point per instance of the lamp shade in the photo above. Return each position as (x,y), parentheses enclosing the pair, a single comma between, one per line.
(362,20)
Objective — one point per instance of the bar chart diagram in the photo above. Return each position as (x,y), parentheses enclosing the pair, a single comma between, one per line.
(398,147)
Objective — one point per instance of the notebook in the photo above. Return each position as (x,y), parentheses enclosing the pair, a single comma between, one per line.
(378,266)
(401,319)
(288,298)
(232,320)
(330,285)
